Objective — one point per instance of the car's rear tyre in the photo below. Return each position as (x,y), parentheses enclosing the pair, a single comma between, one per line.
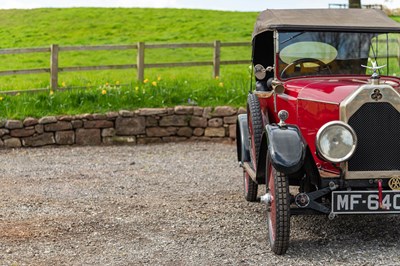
(250,187)
(278,212)
(254,119)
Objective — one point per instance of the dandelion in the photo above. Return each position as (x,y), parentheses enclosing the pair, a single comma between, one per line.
(221,84)
(217,77)
(63,84)
(1,98)
(104,92)
(107,84)
(146,80)
(158,78)
(51,92)
(117,83)
(154,83)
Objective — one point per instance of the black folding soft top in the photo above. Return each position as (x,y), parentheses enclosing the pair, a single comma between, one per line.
(353,20)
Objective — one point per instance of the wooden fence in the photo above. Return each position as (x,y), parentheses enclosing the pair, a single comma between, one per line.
(140,65)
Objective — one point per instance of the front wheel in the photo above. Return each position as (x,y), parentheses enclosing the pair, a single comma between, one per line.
(278,211)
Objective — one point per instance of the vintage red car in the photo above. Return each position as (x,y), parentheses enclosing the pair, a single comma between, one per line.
(323,118)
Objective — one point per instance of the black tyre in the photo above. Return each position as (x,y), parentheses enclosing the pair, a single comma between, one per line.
(278,212)
(254,120)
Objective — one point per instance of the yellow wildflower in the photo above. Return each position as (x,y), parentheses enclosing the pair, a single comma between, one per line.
(117,83)
(104,92)
(221,84)
(216,77)
(136,89)
(154,83)
(158,78)
(51,92)
(146,80)
(1,98)
(63,84)
(107,84)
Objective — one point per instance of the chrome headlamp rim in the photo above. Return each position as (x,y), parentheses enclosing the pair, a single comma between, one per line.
(323,129)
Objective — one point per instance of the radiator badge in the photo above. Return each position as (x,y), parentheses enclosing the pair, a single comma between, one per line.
(377,95)
(394,183)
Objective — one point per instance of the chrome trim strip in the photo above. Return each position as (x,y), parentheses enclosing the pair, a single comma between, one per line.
(317,101)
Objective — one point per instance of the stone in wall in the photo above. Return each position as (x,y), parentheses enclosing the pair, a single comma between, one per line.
(126,113)
(183,110)
(151,121)
(47,120)
(198,132)
(77,124)
(221,111)
(65,137)
(230,119)
(39,140)
(108,132)
(22,132)
(174,120)
(185,132)
(214,132)
(13,124)
(12,143)
(58,126)
(153,111)
(88,136)
(160,131)
(130,126)
(198,111)
(39,128)
(232,131)
(215,122)
(4,131)
(98,124)
(29,121)
(196,121)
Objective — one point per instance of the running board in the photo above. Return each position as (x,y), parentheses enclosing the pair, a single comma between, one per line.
(249,169)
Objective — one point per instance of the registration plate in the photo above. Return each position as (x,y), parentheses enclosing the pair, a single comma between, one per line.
(367,202)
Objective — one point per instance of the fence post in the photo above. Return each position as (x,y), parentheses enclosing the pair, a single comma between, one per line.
(54,66)
(140,61)
(217,58)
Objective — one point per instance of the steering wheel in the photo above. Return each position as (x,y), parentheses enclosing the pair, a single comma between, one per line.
(301,61)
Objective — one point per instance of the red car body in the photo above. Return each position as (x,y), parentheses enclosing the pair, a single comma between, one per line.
(322,123)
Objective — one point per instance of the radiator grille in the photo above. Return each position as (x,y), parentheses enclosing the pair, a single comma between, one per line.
(377,126)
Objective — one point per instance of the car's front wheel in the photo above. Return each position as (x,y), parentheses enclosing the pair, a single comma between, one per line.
(278,210)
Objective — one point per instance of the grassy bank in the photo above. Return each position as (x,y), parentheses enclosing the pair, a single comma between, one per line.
(118,89)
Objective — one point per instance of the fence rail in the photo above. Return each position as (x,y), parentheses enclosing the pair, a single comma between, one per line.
(54,50)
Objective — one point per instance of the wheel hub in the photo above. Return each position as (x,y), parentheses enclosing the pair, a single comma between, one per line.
(267,198)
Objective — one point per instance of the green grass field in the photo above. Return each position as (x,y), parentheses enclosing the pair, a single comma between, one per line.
(99,26)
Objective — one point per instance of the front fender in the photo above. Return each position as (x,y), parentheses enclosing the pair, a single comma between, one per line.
(286,147)
(242,138)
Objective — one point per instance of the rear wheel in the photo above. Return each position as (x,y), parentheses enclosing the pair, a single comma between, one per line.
(254,119)
(278,212)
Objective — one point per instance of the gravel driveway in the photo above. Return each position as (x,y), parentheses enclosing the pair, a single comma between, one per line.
(166,204)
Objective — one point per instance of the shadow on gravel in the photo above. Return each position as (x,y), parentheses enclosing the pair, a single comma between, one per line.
(320,237)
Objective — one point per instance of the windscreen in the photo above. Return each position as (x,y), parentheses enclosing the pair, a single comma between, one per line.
(337,53)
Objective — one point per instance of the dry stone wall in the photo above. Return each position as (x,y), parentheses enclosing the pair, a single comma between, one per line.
(143,126)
